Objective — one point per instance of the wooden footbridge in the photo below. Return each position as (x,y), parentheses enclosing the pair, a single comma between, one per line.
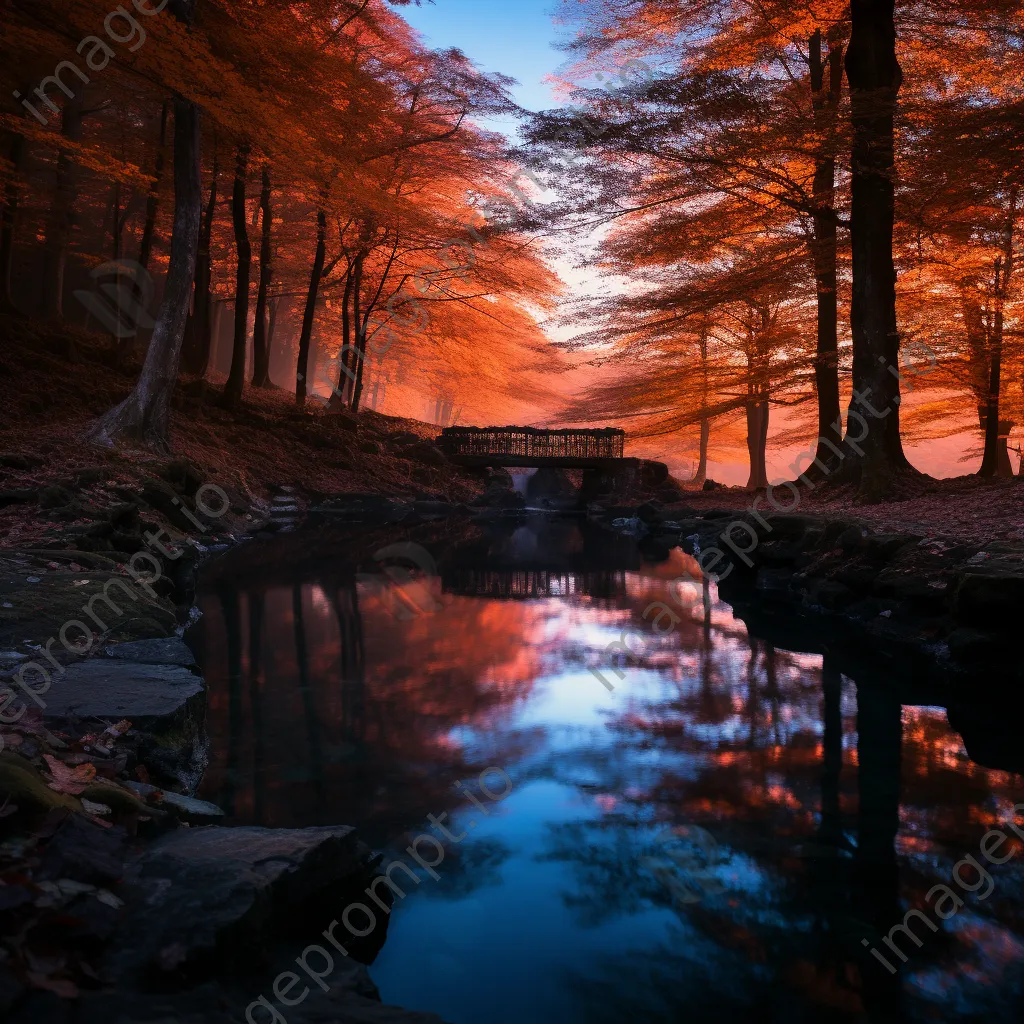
(512,584)
(531,446)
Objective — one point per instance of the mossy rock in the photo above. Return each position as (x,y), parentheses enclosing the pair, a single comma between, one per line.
(54,496)
(23,784)
(182,474)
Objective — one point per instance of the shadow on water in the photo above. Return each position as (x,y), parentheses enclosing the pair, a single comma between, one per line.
(734,829)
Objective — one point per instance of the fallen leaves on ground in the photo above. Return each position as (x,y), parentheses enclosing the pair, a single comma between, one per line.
(72,781)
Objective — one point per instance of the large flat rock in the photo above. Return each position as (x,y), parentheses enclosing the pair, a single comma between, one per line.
(165,651)
(346,1002)
(114,688)
(990,598)
(217,895)
(215,914)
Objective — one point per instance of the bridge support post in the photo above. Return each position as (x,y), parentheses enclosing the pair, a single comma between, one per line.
(622,477)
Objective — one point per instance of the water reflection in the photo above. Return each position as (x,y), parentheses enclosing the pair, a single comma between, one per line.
(833,807)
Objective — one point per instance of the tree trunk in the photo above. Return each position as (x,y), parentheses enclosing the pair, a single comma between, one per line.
(260,341)
(763,440)
(153,200)
(9,220)
(123,343)
(339,397)
(198,338)
(62,215)
(145,413)
(757,440)
(302,370)
(702,465)
(274,305)
(115,221)
(215,331)
(875,78)
(996,459)
(823,248)
(355,352)
(360,320)
(236,377)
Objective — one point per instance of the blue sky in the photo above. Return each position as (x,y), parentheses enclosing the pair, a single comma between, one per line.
(510,36)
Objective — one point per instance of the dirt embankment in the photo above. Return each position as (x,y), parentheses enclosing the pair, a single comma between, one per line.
(52,383)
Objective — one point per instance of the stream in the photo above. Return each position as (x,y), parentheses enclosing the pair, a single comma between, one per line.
(709,826)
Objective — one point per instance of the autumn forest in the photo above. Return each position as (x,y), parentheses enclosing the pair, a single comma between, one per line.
(511,510)
(324,207)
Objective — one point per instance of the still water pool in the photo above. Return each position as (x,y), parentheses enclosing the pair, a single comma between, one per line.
(730,832)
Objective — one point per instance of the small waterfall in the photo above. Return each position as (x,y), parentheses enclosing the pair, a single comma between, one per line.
(519,479)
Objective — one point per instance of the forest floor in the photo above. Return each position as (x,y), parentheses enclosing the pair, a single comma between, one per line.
(966,508)
(53,381)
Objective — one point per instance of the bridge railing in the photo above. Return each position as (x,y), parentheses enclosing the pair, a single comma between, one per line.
(534,442)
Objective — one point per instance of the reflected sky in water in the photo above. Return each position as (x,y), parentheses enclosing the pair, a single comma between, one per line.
(716,836)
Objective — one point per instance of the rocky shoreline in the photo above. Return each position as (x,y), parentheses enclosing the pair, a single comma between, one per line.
(930,619)
(174,916)
(121,898)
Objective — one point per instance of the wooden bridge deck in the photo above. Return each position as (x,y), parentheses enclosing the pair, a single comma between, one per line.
(526,584)
(532,446)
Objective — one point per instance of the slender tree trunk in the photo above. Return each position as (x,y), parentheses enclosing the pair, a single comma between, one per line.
(145,413)
(757,435)
(757,407)
(360,319)
(123,343)
(996,459)
(340,395)
(260,341)
(875,78)
(357,394)
(198,338)
(62,214)
(705,424)
(115,222)
(302,384)
(354,352)
(826,365)
(9,220)
(153,200)
(274,305)
(215,331)
(702,464)
(236,377)
(762,441)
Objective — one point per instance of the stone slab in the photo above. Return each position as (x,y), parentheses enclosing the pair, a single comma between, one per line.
(113,688)
(167,651)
